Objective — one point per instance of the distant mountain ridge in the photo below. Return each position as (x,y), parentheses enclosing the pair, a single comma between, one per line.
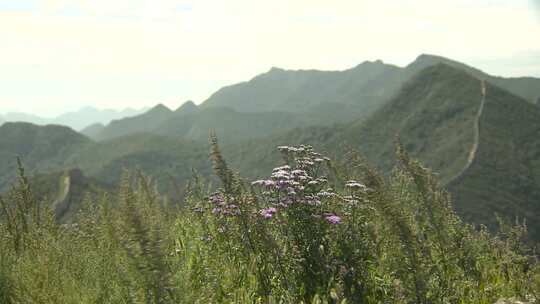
(304,97)
(191,122)
(76,120)
(144,122)
(369,84)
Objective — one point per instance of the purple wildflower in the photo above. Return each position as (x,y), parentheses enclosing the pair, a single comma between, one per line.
(298,172)
(282,168)
(217,198)
(282,184)
(332,219)
(312,200)
(280,174)
(269,183)
(268,212)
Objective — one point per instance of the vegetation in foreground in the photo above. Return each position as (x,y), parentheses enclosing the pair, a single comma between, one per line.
(315,231)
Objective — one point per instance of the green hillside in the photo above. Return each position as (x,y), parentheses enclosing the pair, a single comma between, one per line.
(434,115)
(41,148)
(93,130)
(170,160)
(368,84)
(505,175)
(140,123)
(230,125)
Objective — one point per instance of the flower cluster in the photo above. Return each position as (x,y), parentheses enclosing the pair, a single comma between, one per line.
(332,218)
(223,205)
(268,212)
(356,186)
(301,182)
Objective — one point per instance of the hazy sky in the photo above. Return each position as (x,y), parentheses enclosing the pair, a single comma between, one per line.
(59,55)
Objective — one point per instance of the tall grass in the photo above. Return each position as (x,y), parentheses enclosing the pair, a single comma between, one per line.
(314,231)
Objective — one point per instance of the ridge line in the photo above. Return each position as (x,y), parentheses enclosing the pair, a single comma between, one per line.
(472,152)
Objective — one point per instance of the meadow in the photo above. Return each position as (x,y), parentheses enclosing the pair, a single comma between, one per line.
(315,230)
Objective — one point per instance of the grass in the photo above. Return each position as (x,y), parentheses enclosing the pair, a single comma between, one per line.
(314,231)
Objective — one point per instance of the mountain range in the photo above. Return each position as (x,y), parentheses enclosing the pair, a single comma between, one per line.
(76,120)
(477,132)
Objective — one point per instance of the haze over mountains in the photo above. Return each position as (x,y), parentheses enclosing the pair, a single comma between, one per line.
(432,104)
(76,120)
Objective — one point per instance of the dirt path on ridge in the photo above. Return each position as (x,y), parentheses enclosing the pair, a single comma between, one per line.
(476,140)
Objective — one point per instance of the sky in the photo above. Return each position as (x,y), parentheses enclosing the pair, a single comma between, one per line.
(60,55)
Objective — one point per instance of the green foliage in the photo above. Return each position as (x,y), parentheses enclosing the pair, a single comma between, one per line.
(42,149)
(310,233)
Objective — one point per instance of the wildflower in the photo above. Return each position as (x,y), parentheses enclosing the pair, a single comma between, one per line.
(291,191)
(312,200)
(217,198)
(298,172)
(283,148)
(327,193)
(280,174)
(268,212)
(282,168)
(282,184)
(294,184)
(355,185)
(269,183)
(332,218)
(302,178)
(264,183)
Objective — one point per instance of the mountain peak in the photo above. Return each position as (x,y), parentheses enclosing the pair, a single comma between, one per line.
(370,63)
(160,108)
(275,69)
(425,56)
(187,107)
(425,60)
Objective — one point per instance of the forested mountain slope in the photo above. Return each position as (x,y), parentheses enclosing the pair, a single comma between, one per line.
(504,177)
(435,116)
(41,148)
